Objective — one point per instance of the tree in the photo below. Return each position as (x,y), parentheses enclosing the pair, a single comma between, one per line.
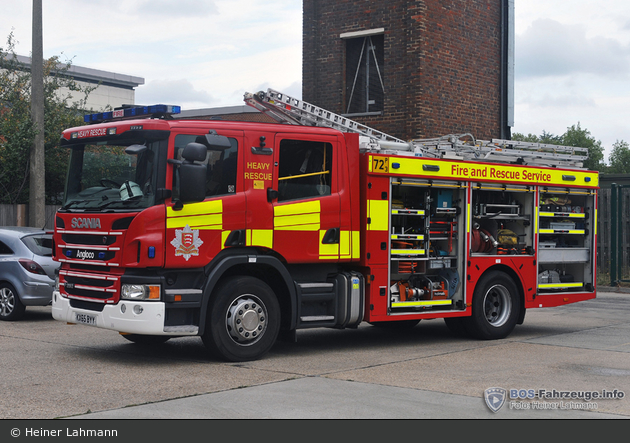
(578,137)
(574,136)
(619,158)
(64,104)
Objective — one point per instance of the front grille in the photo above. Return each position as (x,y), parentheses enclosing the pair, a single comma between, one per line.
(104,288)
(79,292)
(96,249)
(88,281)
(88,268)
(89,239)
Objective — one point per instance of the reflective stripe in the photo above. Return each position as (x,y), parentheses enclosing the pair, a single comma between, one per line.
(204,215)
(560,285)
(490,172)
(420,303)
(378,215)
(348,248)
(356,244)
(224,236)
(408,251)
(260,237)
(344,245)
(561,231)
(303,216)
(327,251)
(563,214)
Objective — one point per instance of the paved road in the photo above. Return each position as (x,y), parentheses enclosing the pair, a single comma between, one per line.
(53,370)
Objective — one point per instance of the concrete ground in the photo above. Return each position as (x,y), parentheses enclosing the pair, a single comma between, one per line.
(54,370)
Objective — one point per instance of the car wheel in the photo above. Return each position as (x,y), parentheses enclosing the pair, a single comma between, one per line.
(243,320)
(11,308)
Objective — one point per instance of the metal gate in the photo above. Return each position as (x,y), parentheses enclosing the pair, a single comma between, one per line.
(619,234)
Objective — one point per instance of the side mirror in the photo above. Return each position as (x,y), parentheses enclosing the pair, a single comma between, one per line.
(217,142)
(192,176)
(192,182)
(135,149)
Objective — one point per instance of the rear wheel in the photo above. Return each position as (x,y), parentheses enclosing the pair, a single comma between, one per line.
(11,307)
(495,307)
(243,320)
(456,326)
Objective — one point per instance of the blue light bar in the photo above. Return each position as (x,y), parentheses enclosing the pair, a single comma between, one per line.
(136,112)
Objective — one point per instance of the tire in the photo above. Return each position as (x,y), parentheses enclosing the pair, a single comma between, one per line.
(495,307)
(146,339)
(11,307)
(400,325)
(457,326)
(243,320)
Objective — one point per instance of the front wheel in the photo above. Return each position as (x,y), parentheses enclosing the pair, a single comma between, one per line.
(495,307)
(243,320)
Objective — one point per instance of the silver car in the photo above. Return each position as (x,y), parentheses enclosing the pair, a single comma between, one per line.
(27,270)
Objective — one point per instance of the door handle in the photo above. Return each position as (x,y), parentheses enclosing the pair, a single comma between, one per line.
(235,238)
(272,194)
(331,236)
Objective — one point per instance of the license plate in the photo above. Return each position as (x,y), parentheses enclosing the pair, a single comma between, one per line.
(85,319)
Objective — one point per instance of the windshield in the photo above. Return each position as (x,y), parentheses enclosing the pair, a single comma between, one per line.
(111,176)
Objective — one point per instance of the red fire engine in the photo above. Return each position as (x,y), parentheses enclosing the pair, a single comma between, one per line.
(238,232)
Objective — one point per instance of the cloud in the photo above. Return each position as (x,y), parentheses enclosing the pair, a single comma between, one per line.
(179,8)
(173,92)
(549,48)
(562,101)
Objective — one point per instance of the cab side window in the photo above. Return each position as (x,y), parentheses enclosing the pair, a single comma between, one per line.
(305,169)
(221,166)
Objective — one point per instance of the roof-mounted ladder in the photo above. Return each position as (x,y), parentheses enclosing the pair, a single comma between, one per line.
(289,110)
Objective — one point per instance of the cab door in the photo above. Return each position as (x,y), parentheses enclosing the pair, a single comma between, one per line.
(196,232)
(305,201)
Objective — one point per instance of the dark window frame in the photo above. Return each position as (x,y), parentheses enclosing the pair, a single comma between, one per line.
(227,183)
(364,82)
(303,175)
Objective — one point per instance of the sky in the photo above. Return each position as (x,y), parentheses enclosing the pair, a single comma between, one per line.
(572,57)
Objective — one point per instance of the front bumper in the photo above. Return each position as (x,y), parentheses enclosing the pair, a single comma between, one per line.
(134,317)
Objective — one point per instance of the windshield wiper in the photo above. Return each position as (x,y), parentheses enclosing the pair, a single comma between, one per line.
(74,202)
(125,203)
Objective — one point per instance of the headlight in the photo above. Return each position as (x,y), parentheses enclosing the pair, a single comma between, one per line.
(140,292)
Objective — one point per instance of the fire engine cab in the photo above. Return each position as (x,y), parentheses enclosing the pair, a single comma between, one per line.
(238,232)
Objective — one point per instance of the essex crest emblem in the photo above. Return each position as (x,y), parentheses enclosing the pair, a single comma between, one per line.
(186,242)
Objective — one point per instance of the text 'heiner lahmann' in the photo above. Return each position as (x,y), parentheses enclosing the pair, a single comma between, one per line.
(31,432)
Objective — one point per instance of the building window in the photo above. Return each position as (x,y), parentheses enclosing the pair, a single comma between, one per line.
(365,88)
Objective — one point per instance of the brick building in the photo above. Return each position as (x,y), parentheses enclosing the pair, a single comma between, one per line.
(412,68)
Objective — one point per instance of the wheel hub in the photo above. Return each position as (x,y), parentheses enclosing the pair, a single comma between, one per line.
(497,305)
(6,301)
(246,320)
